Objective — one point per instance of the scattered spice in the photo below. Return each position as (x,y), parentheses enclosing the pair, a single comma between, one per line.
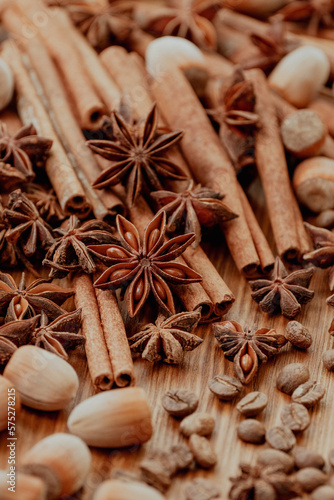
(298,335)
(180,402)
(197,423)
(7,251)
(46,203)
(323,254)
(225,387)
(296,417)
(13,335)
(203,451)
(10,177)
(201,489)
(291,377)
(316,13)
(251,431)
(281,438)
(308,394)
(252,404)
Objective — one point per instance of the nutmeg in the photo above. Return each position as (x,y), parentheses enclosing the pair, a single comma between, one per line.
(299,76)
(313,182)
(116,489)
(303,133)
(26,487)
(43,380)
(66,455)
(113,419)
(9,398)
(6,84)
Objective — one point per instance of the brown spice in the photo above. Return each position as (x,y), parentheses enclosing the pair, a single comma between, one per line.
(298,335)
(203,451)
(252,431)
(280,438)
(225,387)
(291,377)
(180,402)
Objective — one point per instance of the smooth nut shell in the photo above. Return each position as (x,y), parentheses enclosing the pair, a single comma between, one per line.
(43,380)
(6,84)
(303,133)
(68,456)
(115,489)
(26,488)
(6,385)
(113,419)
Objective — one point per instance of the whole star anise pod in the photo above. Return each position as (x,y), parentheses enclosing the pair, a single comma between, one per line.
(13,335)
(283,293)
(19,302)
(23,149)
(27,230)
(59,336)
(10,178)
(185,18)
(69,252)
(7,251)
(195,207)
(138,152)
(46,203)
(143,267)
(317,13)
(167,339)
(247,348)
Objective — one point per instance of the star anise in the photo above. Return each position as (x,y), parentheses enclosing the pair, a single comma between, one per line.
(138,151)
(317,13)
(10,177)
(23,149)
(13,335)
(59,336)
(69,252)
(167,339)
(143,267)
(19,302)
(185,18)
(7,250)
(247,348)
(284,292)
(195,207)
(46,202)
(27,230)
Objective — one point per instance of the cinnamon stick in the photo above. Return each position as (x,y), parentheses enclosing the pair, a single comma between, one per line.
(98,360)
(68,189)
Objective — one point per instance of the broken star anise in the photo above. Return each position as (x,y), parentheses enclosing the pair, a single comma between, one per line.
(247,348)
(316,13)
(143,267)
(19,302)
(284,292)
(137,152)
(69,252)
(59,336)
(167,339)
(46,203)
(195,207)
(13,335)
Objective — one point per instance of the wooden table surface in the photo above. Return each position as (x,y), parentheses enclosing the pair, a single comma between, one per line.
(197,369)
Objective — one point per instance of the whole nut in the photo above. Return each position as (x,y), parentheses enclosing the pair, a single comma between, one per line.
(180,402)
(122,426)
(9,398)
(291,377)
(281,438)
(26,488)
(114,489)
(197,423)
(298,335)
(202,450)
(310,478)
(328,359)
(251,431)
(303,133)
(275,458)
(32,371)
(49,477)
(307,458)
(308,394)
(225,387)
(201,489)
(252,404)
(323,493)
(6,84)
(313,182)
(296,417)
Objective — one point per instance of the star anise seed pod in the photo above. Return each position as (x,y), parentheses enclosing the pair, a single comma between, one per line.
(323,243)
(60,335)
(69,252)
(283,293)
(138,152)
(10,178)
(7,251)
(144,267)
(247,349)
(167,339)
(46,203)
(317,13)
(195,207)
(13,335)
(19,302)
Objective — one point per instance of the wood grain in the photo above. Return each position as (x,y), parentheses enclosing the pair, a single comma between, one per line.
(197,369)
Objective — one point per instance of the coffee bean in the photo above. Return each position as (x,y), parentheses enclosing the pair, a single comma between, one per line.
(251,431)
(252,404)
(296,417)
(307,458)
(225,387)
(202,450)
(277,459)
(323,493)
(328,359)
(310,478)
(181,456)
(197,423)
(180,402)
(298,335)
(201,489)
(308,394)
(157,469)
(281,438)
(291,377)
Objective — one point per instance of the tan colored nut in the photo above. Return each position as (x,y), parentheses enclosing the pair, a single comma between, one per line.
(113,419)
(9,398)
(6,84)
(66,455)
(115,489)
(298,335)
(26,487)
(43,380)
(197,423)
(303,133)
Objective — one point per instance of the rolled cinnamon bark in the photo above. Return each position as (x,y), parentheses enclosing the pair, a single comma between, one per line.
(98,360)
(68,189)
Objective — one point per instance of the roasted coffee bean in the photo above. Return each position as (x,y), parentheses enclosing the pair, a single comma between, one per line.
(157,469)
(328,359)
(298,335)
(202,450)
(201,489)
(308,394)
(225,387)
(281,438)
(181,456)
(251,431)
(291,377)
(276,459)
(296,417)
(323,493)
(307,458)
(252,404)
(197,423)
(180,402)
(310,478)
